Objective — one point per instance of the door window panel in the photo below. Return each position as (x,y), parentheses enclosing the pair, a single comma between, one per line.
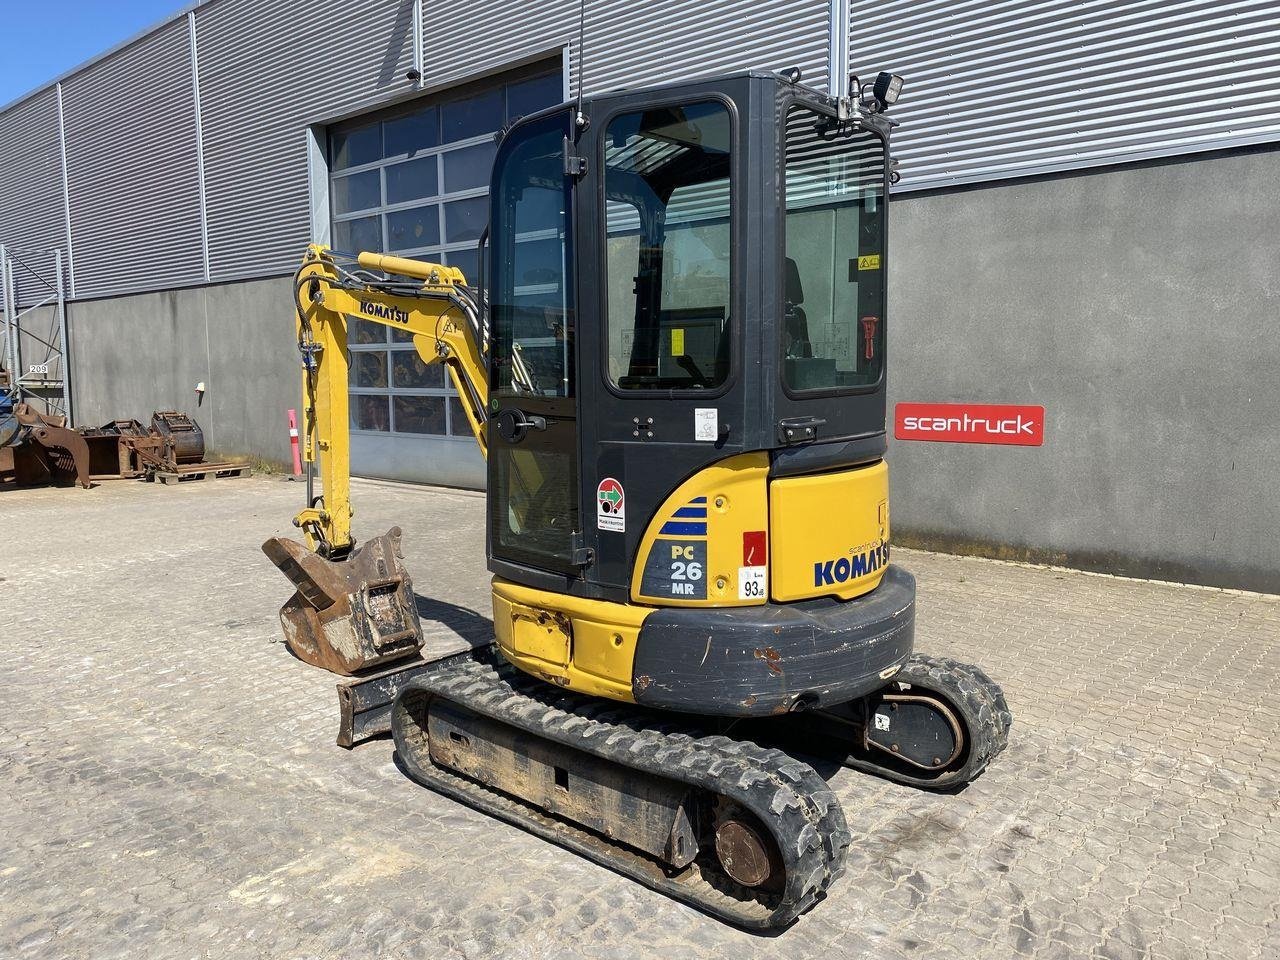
(524,99)
(533,499)
(419,227)
(359,191)
(369,413)
(465,219)
(459,426)
(668,230)
(412,180)
(360,332)
(419,414)
(409,371)
(472,117)
(354,147)
(369,368)
(469,167)
(354,236)
(409,135)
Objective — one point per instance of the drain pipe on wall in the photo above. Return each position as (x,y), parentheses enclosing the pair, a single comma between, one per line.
(838,48)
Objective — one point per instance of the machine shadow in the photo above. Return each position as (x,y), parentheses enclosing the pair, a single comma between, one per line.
(472,627)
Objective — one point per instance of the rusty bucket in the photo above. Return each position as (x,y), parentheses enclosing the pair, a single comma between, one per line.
(348,615)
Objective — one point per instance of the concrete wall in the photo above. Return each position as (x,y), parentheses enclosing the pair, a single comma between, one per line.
(1141,306)
(132,355)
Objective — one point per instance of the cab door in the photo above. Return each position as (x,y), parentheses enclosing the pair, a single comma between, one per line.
(663,290)
(533,426)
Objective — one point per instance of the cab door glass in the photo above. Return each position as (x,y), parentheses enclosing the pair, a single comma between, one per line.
(533,476)
(667,224)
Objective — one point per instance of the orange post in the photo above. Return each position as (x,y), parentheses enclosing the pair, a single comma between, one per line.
(293,442)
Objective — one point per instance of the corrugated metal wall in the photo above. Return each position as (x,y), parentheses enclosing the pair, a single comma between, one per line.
(268,69)
(631,43)
(1001,89)
(994,89)
(131,168)
(31,209)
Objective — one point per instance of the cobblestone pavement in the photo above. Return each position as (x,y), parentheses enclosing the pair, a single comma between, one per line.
(169,785)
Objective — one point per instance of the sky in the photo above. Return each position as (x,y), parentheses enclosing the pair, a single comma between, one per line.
(44,40)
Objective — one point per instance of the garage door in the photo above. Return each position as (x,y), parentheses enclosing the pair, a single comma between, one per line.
(415,182)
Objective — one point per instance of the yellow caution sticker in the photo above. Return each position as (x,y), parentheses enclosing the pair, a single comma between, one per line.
(870,262)
(677,341)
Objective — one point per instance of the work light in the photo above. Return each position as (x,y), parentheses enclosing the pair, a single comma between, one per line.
(886,89)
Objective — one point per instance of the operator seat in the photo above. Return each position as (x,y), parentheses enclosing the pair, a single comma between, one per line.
(795,320)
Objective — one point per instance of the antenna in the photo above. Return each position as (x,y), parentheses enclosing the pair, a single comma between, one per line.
(580,118)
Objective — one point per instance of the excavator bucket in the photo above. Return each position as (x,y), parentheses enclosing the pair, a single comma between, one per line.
(348,615)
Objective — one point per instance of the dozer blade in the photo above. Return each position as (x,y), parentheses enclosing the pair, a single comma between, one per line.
(347,615)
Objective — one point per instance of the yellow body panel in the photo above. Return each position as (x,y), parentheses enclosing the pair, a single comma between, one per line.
(587,645)
(735,491)
(830,533)
(540,635)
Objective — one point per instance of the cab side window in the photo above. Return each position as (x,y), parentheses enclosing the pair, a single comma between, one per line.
(667,223)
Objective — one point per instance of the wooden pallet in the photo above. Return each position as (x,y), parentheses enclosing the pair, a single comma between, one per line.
(202,471)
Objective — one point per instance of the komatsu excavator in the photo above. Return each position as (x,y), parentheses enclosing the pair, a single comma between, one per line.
(676,371)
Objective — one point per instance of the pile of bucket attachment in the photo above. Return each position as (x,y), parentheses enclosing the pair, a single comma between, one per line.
(39,449)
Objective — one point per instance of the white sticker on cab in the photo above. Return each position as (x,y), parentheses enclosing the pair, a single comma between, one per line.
(706,423)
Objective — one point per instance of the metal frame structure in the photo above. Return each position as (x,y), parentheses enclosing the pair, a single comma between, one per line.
(32,380)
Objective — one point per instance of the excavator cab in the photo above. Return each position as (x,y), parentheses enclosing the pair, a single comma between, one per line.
(687,395)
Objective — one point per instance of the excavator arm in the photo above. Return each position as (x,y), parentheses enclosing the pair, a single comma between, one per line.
(427,300)
(354,607)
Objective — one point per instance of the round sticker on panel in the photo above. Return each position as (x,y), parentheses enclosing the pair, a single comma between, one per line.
(611,505)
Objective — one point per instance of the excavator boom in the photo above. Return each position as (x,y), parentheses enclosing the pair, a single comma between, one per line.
(431,302)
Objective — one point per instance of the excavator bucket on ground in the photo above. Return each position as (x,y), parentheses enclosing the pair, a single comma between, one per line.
(352,614)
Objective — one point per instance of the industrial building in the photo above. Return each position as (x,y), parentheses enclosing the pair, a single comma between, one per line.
(1085,221)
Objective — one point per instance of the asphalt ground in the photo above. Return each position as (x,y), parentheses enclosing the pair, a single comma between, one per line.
(169,784)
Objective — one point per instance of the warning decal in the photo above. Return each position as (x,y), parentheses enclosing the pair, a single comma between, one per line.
(611,506)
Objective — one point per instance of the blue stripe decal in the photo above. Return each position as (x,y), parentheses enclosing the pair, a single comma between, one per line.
(698,500)
(673,528)
(691,513)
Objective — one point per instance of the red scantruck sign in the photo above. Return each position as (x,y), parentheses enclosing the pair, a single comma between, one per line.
(970,423)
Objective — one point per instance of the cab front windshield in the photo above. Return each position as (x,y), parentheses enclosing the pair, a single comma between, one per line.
(833,270)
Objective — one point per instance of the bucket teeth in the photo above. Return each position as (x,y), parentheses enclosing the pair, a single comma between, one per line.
(348,615)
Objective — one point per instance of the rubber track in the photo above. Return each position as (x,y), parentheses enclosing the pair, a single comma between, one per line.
(787,796)
(981,707)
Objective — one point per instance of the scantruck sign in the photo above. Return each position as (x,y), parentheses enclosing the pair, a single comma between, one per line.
(970,423)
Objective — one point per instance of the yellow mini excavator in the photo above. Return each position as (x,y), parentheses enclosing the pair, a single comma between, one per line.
(676,371)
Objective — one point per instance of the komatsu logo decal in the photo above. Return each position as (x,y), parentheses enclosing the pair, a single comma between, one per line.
(827,573)
(383,311)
